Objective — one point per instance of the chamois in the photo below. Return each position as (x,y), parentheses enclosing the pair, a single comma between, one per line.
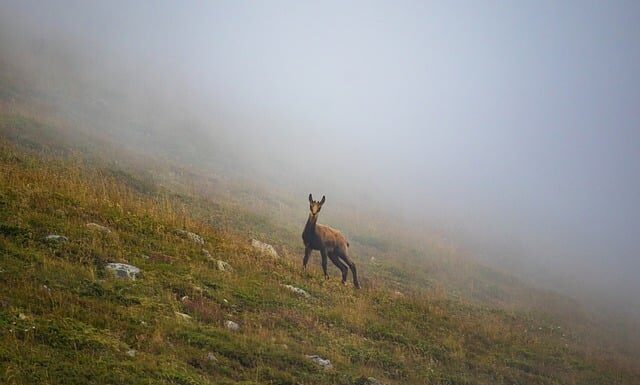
(329,241)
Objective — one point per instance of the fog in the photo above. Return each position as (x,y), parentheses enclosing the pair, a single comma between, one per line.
(515,126)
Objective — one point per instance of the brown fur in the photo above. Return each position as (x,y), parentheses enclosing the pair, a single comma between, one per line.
(330,242)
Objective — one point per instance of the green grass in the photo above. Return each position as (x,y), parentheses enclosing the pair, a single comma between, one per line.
(65,320)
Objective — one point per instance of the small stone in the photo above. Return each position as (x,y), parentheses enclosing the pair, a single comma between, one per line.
(131,352)
(22,316)
(231,325)
(56,238)
(184,299)
(223,266)
(208,256)
(191,236)
(297,290)
(122,270)
(98,227)
(184,316)
(211,357)
(264,248)
(322,362)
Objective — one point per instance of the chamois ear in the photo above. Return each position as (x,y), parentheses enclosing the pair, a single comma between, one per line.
(310,199)
(322,200)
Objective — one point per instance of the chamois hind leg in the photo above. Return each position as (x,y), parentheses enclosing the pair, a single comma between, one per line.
(352,266)
(343,268)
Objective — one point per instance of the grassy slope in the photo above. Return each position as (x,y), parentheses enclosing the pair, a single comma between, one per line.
(63,319)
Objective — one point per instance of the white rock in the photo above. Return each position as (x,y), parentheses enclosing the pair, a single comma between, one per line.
(223,266)
(231,325)
(211,357)
(297,290)
(191,236)
(98,227)
(322,362)
(131,352)
(122,270)
(184,316)
(56,238)
(264,248)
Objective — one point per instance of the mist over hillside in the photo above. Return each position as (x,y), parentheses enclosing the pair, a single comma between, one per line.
(509,133)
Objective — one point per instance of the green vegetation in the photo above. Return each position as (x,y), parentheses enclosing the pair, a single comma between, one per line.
(64,319)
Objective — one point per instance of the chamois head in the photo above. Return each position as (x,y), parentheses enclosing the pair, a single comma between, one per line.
(315,206)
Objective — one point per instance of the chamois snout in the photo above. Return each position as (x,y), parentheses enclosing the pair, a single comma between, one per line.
(314,206)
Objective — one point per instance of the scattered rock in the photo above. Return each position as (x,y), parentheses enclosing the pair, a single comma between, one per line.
(224,266)
(56,238)
(211,357)
(397,294)
(122,270)
(324,363)
(22,316)
(193,237)
(231,325)
(298,290)
(207,254)
(131,352)
(185,299)
(367,381)
(184,316)
(264,248)
(95,226)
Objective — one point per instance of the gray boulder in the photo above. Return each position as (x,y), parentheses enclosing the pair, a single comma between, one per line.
(297,290)
(322,362)
(193,237)
(264,248)
(122,270)
(231,325)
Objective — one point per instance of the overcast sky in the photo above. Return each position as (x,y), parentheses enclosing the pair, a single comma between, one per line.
(514,120)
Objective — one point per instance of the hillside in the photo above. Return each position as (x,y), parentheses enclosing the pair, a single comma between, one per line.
(65,319)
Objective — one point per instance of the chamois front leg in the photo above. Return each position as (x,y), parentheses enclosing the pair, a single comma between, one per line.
(307,254)
(323,252)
